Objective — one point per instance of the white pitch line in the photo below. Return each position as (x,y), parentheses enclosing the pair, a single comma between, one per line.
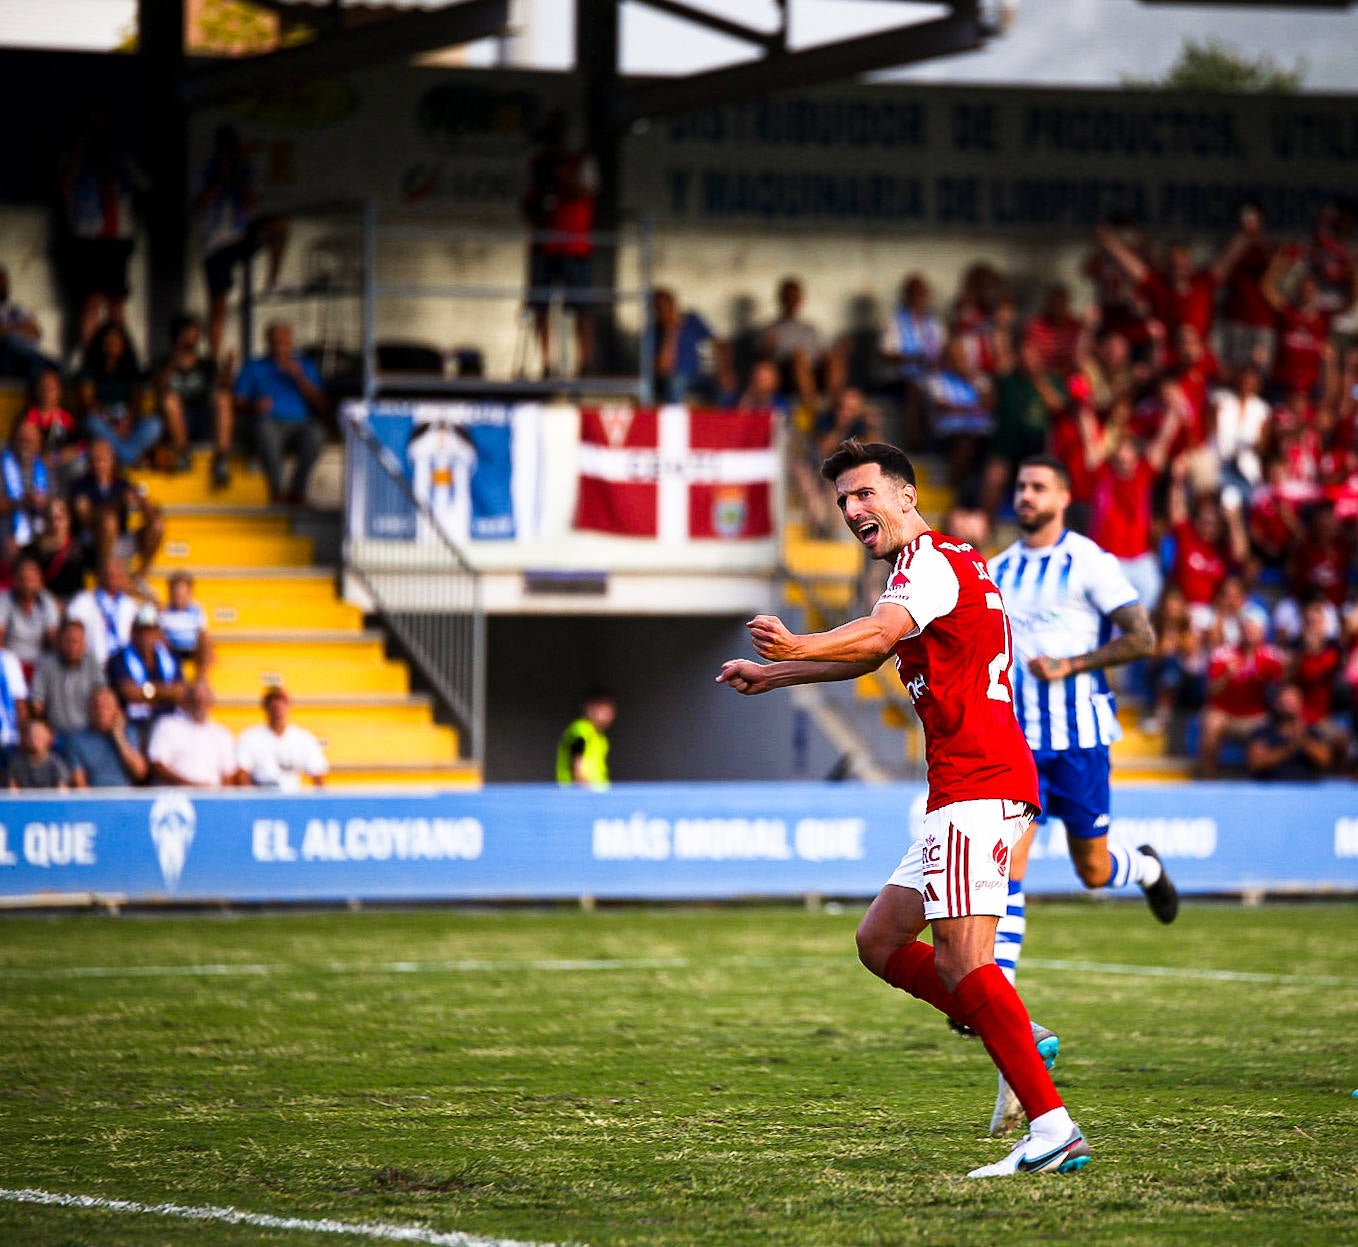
(1175,972)
(615,964)
(264,1220)
(357,967)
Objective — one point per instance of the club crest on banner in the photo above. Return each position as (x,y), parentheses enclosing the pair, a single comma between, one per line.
(617,423)
(730,512)
(173,822)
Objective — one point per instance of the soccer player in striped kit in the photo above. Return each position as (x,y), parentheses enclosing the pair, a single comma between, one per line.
(1066,599)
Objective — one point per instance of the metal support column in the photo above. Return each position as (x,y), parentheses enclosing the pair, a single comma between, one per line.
(596,64)
(161,31)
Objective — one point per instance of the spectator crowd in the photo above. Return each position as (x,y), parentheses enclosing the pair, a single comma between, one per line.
(1206,409)
(1207,412)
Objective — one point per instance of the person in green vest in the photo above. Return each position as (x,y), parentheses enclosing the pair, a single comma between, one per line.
(582,752)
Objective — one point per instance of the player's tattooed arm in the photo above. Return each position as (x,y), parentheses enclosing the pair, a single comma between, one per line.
(1136,639)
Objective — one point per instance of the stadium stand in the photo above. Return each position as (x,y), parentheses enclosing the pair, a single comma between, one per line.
(276,618)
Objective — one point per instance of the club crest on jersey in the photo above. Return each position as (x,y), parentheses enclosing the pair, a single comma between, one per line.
(1001,855)
(729,511)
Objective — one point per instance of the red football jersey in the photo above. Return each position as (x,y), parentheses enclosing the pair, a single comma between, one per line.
(955,667)
(1301,349)
(1199,567)
(1120,518)
(1245,693)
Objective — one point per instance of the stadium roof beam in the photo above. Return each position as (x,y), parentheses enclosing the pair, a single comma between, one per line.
(964,30)
(348,50)
(769,40)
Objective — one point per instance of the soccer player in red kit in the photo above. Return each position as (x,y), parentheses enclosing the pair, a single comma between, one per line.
(942,618)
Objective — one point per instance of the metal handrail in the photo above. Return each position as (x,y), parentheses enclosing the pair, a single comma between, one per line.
(429,597)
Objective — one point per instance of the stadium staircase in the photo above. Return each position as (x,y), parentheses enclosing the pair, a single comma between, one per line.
(275,617)
(871,722)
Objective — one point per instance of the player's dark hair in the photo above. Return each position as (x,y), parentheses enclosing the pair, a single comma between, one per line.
(854,454)
(597,693)
(1048,461)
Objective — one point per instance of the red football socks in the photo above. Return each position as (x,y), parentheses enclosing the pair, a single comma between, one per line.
(911,968)
(986,1001)
(994,1010)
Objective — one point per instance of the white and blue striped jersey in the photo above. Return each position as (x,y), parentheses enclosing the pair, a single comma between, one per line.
(1060,599)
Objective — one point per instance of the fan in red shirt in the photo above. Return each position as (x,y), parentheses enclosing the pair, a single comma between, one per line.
(1238,681)
(1249,331)
(1055,332)
(1208,544)
(1178,293)
(1275,516)
(1303,332)
(1321,558)
(57,426)
(1121,513)
(1316,663)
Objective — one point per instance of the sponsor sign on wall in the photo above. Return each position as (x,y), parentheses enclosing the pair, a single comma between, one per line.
(885,157)
(632,841)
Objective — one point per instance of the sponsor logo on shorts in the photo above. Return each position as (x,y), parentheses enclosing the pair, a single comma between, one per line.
(929,893)
(1001,855)
(932,855)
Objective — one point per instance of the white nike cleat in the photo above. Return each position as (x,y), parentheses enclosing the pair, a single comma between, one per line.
(1008,1111)
(1029,1157)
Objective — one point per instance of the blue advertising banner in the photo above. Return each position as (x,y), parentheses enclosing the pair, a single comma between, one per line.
(638,841)
(474,466)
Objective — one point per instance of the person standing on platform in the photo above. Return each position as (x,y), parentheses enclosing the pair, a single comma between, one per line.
(582,752)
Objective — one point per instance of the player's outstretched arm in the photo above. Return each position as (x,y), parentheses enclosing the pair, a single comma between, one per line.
(751,678)
(869,639)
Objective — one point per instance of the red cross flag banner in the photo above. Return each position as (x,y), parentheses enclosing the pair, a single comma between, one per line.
(675,474)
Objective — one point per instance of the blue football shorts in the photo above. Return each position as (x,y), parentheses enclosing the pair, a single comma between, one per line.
(1075,788)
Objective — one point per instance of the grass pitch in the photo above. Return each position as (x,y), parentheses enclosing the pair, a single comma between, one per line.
(724,1077)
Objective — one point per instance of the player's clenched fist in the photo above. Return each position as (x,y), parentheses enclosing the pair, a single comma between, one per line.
(770,638)
(744,676)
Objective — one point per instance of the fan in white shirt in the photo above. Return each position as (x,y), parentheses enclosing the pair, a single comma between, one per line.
(278,754)
(187,748)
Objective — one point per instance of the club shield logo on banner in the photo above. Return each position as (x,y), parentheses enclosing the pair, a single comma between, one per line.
(173,824)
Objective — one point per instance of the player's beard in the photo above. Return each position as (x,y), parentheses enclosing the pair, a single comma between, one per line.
(1034,521)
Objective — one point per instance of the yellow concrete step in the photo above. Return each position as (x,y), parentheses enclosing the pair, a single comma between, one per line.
(234,522)
(251,614)
(194,487)
(400,712)
(243,668)
(242,602)
(13,401)
(242,549)
(829,595)
(415,777)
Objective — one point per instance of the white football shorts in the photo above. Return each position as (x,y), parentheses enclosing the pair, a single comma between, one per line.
(960,863)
